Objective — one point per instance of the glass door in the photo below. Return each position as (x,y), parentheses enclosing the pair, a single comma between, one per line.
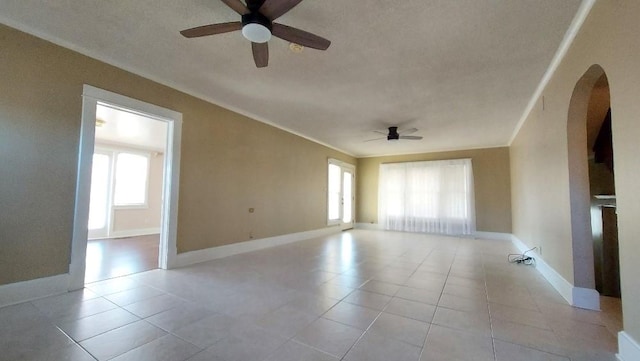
(348,197)
(341,194)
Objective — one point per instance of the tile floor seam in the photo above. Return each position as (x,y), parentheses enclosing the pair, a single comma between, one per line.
(362,335)
(101,333)
(76,343)
(312,347)
(118,355)
(486,291)
(424,343)
(532,346)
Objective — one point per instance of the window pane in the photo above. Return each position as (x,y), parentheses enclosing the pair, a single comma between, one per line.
(131,179)
(334,192)
(99,192)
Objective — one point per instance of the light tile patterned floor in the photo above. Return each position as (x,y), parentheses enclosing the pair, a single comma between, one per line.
(357,296)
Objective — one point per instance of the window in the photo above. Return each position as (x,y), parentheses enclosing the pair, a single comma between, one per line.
(430,197)
(131,178)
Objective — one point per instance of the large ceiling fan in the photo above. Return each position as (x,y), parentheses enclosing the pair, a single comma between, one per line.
(257,26)
(394,134)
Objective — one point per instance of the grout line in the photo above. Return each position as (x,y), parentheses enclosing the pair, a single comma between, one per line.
(424,343)
(486,291)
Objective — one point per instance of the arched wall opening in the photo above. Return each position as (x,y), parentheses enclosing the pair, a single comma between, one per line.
(588,133)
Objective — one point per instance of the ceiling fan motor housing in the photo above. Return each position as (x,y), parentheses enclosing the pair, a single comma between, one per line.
(393,134)
(256,27)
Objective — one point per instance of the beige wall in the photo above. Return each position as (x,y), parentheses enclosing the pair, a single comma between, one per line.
(539,164)
(229,162)
(490,177)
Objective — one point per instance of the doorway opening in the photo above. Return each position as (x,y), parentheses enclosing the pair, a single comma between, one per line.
(602,191)
(592,193)
(341,194)
(127,189)
(126,194)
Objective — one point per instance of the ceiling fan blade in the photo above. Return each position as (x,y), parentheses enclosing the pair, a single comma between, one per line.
(300,37)
(237,6)
(408,131)
(411,137)
(274,9)
(371,140)
(381,132)
(260,54)
(211,29)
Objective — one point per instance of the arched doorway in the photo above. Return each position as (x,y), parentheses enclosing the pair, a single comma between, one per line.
(592,190)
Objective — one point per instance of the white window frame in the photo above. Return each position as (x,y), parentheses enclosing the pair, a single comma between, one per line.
(113,152)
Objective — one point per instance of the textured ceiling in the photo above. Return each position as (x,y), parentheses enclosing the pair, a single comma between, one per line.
(461,71)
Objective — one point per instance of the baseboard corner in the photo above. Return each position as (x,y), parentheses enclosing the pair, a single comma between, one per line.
(576,296)
(628,348)
(586,298)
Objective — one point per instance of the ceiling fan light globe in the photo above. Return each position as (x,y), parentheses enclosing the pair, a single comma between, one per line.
(256,33)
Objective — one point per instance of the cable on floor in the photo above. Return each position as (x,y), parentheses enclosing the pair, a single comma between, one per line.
(522,258)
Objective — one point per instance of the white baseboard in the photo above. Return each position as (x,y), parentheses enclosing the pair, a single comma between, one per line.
(628,348)
(189,258)
(19,292)
(134,232)
(576,296)
(493,235)
(370,226)
(586,298)
(477,234)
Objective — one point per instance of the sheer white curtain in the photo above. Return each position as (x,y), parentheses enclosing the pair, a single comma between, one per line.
(429,197)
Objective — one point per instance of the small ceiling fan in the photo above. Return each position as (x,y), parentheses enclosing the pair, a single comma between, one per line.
(257,26)
(394,134)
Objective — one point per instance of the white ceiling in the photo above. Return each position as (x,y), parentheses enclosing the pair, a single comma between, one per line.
(119,127)
(461,71)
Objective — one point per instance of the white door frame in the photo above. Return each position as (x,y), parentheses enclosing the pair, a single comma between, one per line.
(91,96)
(106,230)
(344,167)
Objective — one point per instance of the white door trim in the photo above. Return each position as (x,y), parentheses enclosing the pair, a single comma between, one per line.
(106,230)
(91,96)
